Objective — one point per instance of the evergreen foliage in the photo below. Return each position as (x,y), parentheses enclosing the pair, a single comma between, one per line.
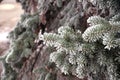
(22,41)
(83,47)
(77,51)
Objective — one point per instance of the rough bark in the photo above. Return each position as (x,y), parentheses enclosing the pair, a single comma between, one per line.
(53,15)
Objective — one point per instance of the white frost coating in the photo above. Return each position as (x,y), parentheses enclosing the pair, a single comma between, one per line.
(79,49)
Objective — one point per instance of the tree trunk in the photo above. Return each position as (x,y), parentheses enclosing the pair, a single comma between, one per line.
(53,14)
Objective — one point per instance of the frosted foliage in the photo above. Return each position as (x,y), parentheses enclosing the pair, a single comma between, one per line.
(67,43)
(83,53)
(94,20)
(81,59)
(109,41)
(72,59)
(93,33)
(115,27)
(63,30)
(80,71)
(102,58)
(111,71)
(54,56)
(102,29)
(65,68)
(87,48)
(51,39)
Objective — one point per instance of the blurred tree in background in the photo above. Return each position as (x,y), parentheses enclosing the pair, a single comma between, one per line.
(86,47)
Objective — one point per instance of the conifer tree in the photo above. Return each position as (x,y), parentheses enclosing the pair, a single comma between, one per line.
(65,40)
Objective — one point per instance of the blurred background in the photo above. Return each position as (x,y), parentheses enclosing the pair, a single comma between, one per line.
(10,12)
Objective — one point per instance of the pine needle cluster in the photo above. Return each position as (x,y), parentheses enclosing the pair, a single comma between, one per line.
(90,53)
